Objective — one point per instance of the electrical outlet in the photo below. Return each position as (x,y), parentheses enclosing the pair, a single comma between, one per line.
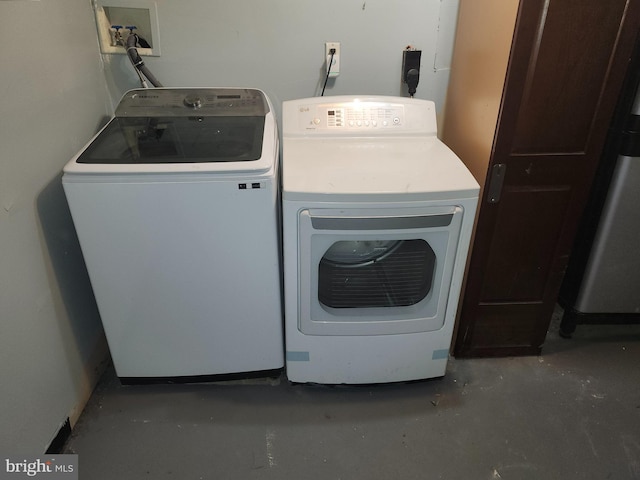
(411,69)
(335,62)
(410,61)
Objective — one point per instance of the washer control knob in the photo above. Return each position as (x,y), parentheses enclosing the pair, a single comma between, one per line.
(316,121)
(192,101)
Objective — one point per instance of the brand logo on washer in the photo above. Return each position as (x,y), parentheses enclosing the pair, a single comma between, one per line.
(137,95)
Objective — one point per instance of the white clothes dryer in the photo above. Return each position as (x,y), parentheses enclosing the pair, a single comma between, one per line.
(377,220)
(176,206)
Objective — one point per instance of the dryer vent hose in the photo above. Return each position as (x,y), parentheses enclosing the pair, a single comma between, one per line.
(138,64)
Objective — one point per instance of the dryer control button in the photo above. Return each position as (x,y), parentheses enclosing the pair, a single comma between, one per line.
(396,120)
(316,121)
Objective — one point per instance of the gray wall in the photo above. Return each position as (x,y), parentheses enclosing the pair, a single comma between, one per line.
(52,98)
(278,46)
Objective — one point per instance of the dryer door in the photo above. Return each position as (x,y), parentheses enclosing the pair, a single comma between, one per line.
(376,272)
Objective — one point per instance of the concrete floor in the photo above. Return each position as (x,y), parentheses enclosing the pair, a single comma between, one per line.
(573,412)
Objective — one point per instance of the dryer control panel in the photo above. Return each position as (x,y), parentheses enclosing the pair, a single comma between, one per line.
(366,116)
(359,116)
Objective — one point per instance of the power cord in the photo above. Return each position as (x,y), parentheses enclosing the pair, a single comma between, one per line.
(332,52)
(413,76)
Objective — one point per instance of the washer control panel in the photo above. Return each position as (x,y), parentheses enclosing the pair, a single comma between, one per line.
(351,116)
(185,102)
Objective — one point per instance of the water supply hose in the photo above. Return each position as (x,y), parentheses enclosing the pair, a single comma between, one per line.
(138,64)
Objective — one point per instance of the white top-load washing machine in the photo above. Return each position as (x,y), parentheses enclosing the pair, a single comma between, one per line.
(176,205)
(377,220)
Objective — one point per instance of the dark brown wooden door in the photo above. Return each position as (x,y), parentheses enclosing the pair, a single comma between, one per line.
(566,67)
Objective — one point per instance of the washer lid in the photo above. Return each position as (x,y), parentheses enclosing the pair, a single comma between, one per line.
(179,139)
(183,125)
(184,130)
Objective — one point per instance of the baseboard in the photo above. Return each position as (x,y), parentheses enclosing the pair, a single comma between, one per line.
(60,439)
(94,369)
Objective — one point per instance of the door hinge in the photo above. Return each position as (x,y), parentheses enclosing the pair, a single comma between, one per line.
(498,172)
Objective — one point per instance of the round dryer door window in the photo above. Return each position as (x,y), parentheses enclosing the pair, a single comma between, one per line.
(376,273)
